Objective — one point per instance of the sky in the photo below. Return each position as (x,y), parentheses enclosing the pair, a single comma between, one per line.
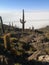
(35,11)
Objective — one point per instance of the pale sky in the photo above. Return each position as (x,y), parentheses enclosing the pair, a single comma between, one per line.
(37,19)
(36,12)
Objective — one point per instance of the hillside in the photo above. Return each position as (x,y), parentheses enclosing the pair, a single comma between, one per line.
(24,48)
(45,29)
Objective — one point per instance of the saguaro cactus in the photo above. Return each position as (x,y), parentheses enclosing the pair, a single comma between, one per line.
(22,21)
(7,41)
(1,22)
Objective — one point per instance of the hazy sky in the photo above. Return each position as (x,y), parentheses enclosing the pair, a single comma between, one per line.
(35,11)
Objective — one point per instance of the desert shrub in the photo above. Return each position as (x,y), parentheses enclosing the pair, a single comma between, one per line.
(14,39)
(47,50)
(45,40)
(26,47)
(1,40)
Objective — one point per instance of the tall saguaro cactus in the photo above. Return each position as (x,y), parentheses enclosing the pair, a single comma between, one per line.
(1,22)
(22,21)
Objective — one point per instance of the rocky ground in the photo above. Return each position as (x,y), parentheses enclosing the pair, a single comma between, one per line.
(29,48)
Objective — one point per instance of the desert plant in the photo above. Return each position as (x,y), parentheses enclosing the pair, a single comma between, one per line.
(7,41)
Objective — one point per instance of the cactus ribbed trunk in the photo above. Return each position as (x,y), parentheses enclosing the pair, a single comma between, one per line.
(2,25)
(23,22)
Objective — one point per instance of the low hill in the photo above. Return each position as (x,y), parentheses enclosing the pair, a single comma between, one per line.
(45,29)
